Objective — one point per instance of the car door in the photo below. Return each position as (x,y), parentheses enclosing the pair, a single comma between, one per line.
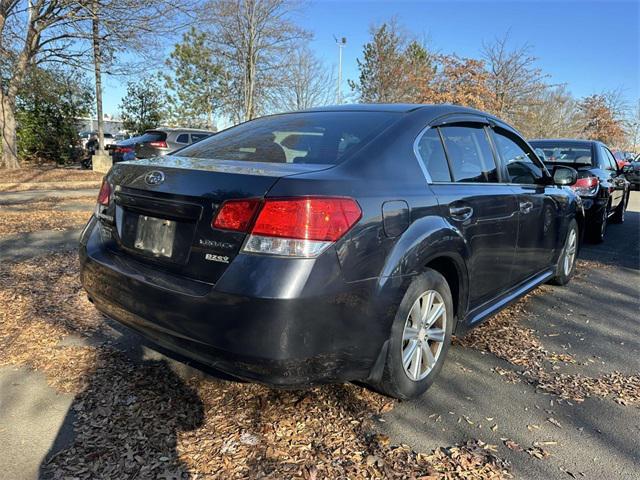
(537,209)
(615,177)
(472,199)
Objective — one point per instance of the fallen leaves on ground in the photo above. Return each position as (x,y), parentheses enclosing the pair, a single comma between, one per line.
(142,420)
(42,216)
(48,173)
(504,336)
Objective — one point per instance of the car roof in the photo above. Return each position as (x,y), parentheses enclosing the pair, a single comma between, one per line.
(176,129)
(395,107)
(565,141)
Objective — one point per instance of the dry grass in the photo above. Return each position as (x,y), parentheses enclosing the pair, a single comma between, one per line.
(141,420)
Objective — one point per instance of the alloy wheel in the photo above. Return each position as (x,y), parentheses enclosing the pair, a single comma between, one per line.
(570,251)
(423,335)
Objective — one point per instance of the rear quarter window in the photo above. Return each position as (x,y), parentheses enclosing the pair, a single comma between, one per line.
(183,138)
(433,157)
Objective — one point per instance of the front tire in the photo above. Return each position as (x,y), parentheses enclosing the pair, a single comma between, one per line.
(566,266)
(420,337)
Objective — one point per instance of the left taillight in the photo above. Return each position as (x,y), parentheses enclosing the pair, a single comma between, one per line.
(158,144)
(236,215)
(104,196)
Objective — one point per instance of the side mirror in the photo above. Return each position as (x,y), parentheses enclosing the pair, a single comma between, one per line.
(564,175)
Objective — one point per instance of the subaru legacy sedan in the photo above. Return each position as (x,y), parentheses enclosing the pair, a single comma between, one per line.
(329,245)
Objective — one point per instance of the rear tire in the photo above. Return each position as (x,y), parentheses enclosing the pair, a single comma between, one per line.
(420,337)
(618,216)
(566,266)
(598,228)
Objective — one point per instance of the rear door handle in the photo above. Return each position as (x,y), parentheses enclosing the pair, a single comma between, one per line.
(461,213)
(526,207)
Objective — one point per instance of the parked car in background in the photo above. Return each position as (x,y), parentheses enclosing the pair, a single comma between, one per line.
(87,136)
(335,244)
(601,182)
(156,143)
(623,158)
(632,173)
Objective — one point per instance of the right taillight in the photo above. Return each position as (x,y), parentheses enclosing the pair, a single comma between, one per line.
(292,227)
(586,186)
(104,196)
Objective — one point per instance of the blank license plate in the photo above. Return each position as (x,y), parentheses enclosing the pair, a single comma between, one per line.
(155,236)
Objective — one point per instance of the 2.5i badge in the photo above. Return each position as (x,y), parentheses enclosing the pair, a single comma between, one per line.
(216,258)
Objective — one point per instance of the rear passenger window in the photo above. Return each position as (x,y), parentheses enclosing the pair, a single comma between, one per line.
(470,155)
(520,166)
(432,155)
(196,137)
(183,138)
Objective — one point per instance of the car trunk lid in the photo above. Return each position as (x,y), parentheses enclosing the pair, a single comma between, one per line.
(163,210)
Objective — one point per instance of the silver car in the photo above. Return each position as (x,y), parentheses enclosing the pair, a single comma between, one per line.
(156,142)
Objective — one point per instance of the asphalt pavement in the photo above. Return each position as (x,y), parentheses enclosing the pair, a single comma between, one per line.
(595,319)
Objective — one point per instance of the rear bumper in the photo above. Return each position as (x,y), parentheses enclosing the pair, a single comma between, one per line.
(283,335)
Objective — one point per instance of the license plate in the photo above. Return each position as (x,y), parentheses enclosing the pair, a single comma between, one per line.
(155,236)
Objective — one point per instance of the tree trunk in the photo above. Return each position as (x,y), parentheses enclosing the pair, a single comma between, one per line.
(8,126)
(97,63)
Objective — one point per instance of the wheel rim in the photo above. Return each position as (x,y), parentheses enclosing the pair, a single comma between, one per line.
(570,251)
(423,335)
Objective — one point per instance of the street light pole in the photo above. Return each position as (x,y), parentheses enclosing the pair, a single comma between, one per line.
(341,43)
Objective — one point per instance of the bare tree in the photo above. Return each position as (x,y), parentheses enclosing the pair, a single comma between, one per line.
(306,83)
(116,27)
(552,114)
(633,129)
(515,82)
(253,38)
(31,32)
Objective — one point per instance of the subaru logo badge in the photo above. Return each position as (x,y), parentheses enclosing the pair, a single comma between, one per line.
(155,177)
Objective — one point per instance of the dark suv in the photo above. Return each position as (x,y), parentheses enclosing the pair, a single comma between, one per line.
(344,243)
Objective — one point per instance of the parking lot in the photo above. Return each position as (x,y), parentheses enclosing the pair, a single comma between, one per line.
(549,388)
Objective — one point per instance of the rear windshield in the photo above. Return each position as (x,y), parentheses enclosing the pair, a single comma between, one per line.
(313,137)
(152,136)
(578,154)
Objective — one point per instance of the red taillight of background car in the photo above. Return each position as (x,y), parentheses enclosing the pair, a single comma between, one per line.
(119,149)
(586,186)
(292,227)
(104,195)
(158,144)
(236,215)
